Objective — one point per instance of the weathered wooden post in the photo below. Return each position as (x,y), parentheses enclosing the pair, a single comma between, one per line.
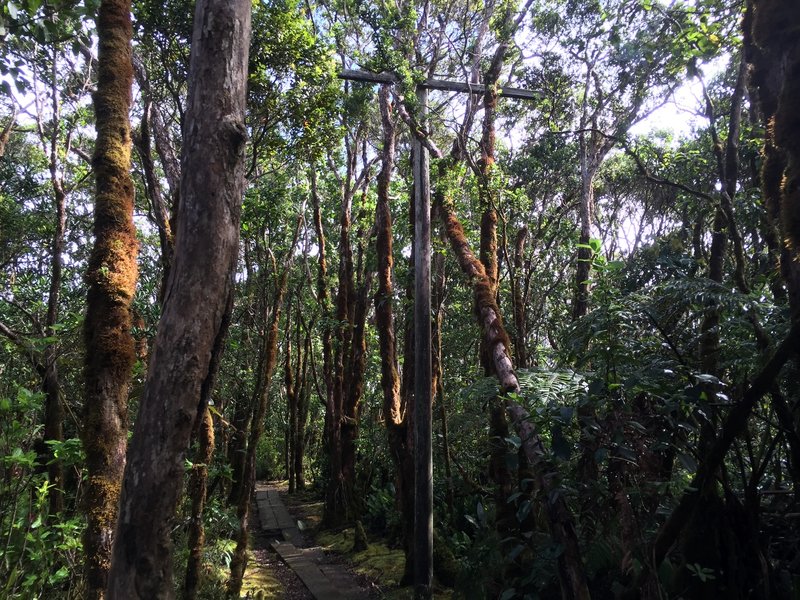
(423,455)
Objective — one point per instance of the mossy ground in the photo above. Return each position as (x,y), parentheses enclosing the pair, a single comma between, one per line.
(258,578)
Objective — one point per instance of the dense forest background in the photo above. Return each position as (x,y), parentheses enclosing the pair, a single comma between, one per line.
(614,280)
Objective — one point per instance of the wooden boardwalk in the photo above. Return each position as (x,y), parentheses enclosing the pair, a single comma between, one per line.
(324,580)
(273,516)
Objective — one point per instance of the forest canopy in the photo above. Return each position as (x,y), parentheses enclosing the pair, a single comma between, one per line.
(553,243)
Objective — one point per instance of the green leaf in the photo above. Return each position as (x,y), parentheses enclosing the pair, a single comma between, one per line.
(523,511)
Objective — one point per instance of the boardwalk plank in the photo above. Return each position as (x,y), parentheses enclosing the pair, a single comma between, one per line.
(324,581)
(308,572)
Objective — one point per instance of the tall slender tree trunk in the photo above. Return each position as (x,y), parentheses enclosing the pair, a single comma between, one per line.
(301,376)
(395,402)
(112,275)
(357,366)
(336,500)
(159,207)
(198,488)
(438,286)
(206,252)
(47,367)
(486,192)
(323,301)
(54,409)
(580,306)
(405,469)
(291,400)
(517,295)
(257,424)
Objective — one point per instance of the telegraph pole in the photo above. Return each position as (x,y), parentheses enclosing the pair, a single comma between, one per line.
(423,454)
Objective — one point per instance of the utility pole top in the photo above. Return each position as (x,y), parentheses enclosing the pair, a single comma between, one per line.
(440,84)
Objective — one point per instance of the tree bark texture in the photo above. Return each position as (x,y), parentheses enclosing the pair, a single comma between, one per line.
(438,298)
(198,489)
(589,165)
(775,26)
(201,278)
(423,396)
(357,365)
(111,277)
(5,133)
(404,433)
(336,499)
(198,477)
(488,201)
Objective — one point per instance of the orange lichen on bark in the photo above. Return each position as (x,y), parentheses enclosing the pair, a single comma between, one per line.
(111,276)
(495,337)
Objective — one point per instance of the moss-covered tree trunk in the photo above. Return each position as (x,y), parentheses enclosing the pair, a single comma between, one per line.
(768,48)
(111,276)
(195,303)
(570,565)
